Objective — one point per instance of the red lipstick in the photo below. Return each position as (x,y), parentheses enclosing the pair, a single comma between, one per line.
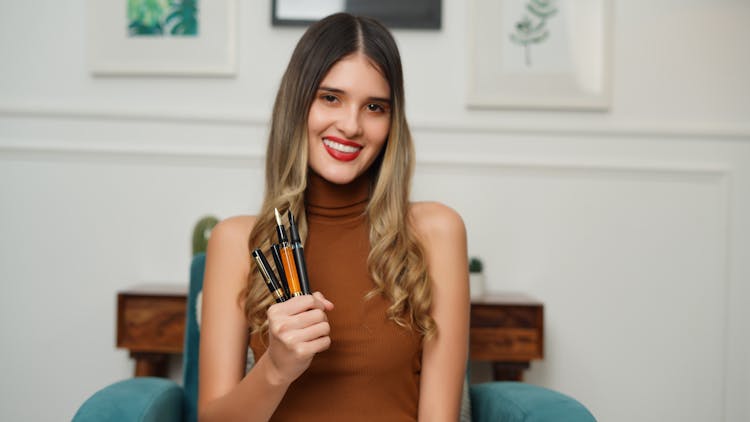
(342,155)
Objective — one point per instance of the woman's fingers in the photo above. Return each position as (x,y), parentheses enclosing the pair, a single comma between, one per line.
(310,333)
(301,320)
(328,304)
(298,329)
(316,346)
(299,304)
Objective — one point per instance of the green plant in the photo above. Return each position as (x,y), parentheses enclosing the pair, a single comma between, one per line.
(145,16)
(163,17)
(475,265)
(184,16)
(533,29)
(201,233)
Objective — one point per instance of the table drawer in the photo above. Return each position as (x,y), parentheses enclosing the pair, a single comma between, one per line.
(507,316)
(505,344)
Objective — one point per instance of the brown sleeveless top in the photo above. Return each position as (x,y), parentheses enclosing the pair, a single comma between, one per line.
(371,371)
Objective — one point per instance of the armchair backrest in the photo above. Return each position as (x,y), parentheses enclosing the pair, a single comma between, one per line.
(192,338)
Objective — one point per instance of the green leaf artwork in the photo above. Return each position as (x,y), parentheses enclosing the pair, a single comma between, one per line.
(162,17)
(532,27)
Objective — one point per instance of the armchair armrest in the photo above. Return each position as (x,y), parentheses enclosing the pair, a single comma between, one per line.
(143,399)
(519,402)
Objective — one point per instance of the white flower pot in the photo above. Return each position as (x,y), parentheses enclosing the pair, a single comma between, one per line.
(476,285)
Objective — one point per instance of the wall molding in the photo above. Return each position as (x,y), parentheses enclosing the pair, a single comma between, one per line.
(242,156)
(537,126)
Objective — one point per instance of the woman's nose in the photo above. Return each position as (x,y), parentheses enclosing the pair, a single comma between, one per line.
(349,123)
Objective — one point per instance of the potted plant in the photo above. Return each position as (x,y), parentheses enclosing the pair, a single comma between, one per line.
(476,278)
(201,232)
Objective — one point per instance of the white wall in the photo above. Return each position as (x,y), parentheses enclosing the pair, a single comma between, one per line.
(632,225)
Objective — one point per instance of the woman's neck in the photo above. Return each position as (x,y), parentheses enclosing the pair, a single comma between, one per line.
(321,192)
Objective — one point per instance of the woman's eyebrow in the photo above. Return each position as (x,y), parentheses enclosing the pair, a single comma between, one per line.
(379,100)
(341,91)
(329,89)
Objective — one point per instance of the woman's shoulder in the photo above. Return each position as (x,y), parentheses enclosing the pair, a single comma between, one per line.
(229,237)
(233,228)
(434,221)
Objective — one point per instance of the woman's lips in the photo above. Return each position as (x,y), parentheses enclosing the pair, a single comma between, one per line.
(341,149)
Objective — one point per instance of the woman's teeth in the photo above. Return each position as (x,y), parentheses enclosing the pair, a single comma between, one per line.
(339,147)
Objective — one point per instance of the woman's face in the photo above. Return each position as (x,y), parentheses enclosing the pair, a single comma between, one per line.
(349,119)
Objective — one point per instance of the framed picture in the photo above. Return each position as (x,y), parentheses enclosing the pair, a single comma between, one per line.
(162,37)
(411,14)
(540,54)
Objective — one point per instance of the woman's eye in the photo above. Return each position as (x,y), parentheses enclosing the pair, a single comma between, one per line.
(375,107)
(328,98)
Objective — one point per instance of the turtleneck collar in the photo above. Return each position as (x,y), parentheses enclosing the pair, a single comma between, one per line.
(327,199)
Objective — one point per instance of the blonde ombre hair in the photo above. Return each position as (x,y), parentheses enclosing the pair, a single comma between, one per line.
(396,260)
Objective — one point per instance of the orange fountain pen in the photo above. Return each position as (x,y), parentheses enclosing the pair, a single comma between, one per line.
(287,258)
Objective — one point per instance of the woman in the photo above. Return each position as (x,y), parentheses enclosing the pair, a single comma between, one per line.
(384,337)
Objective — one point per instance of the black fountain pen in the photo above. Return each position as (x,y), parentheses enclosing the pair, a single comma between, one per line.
(299,255)
(268,276)
(276,254)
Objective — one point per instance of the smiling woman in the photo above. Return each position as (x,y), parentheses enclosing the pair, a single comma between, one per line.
(348,120)
(383,337)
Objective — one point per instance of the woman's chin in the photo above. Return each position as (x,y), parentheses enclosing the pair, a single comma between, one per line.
(338,177)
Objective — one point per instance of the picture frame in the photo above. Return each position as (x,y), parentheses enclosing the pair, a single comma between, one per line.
(211,51)
(395,14)
(540,54)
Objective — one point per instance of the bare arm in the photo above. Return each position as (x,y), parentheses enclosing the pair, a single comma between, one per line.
(299,329)
(444,356)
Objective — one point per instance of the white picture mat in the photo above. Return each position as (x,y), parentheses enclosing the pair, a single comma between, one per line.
(308,9)
(570,69)
(112,52)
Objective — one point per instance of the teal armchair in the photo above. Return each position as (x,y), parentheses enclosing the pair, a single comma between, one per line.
(149,399)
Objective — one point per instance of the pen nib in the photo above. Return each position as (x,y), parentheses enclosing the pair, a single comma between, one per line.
(278,217)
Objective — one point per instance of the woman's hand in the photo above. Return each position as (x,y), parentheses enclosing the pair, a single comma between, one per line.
(297,330)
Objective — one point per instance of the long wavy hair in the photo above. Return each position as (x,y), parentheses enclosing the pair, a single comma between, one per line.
(396,260)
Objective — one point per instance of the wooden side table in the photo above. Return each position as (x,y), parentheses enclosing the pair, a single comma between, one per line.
(506,329)
(151,325)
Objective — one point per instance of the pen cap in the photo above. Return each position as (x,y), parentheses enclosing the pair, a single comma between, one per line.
(264,267)
(293,232)
(276,254)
